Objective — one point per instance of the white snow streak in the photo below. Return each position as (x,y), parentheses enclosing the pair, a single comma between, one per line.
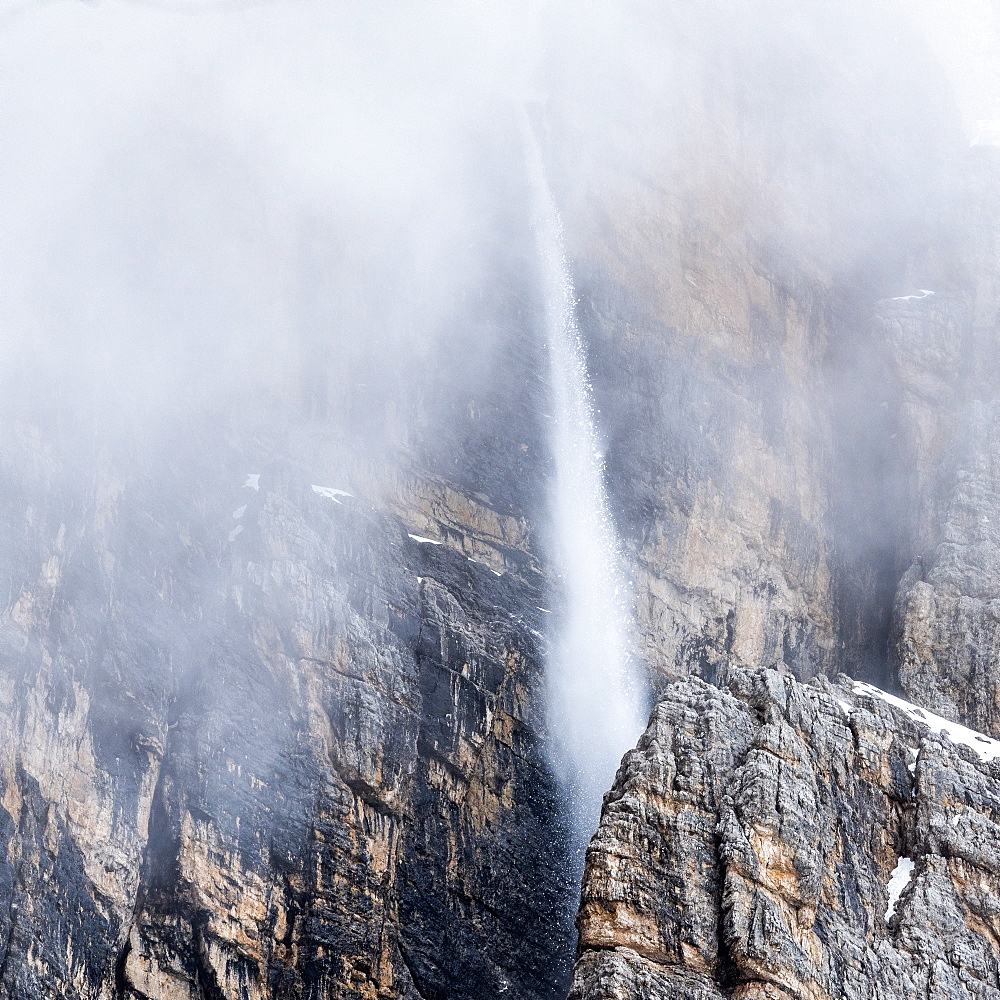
(331,493)
(898,881)
(239,512)
(253,481)
(420,538)
(479,563)
(987,749)
(235,532)
(906,298)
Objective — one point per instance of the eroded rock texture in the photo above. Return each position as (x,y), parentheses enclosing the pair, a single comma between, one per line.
(260,742)
(947,612)
(945,620)
(761,384)
(746,848)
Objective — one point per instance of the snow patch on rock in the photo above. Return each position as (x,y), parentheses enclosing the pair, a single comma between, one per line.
(898,881)
(987,749)
(331,492)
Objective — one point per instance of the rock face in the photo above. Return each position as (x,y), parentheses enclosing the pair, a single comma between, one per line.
(297,759)
(758,844)
(947,613)
(944,626)
(760,384)
(271,703)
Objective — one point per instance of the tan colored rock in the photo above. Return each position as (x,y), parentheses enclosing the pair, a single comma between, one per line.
(806,805)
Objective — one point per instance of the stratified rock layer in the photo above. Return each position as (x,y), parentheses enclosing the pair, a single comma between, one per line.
(747,847)
(296,759)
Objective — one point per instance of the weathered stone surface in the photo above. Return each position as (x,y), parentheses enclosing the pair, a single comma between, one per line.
(748,842)
(300,760)
(947,614)
(307,760)
(944,619)
(758,390)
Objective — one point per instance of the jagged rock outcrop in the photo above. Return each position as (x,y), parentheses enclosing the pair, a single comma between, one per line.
(747,848)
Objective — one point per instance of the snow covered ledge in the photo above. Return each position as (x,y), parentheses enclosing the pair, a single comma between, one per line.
(986,748)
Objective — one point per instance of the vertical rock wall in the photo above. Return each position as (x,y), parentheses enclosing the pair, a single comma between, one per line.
(782,840)
(299,751)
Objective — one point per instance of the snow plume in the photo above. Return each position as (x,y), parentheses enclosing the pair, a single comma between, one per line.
(596,700)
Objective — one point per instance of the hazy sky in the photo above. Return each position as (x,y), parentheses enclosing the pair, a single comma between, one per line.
(173,172)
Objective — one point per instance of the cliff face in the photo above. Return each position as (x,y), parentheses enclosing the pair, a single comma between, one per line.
(770,838)
(786,840)
(946,610)
(757,355)
(271,704)
(943,627)
(297,759)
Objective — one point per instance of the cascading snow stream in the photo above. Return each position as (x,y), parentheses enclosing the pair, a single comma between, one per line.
(597,701)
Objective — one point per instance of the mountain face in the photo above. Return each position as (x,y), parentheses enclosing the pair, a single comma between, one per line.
(780,839)
(272,684)
(323,806)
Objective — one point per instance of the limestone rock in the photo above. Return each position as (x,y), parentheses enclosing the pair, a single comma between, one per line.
(300,752)
(302,760)
(947,612)
(750,842)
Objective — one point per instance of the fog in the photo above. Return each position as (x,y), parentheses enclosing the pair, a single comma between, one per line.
(191,191)
(306,214)
(194,195)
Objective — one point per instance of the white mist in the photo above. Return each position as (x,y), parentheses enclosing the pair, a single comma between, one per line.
(597,701)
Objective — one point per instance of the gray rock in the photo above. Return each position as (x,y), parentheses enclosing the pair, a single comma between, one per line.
(946,645)
(748,843)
